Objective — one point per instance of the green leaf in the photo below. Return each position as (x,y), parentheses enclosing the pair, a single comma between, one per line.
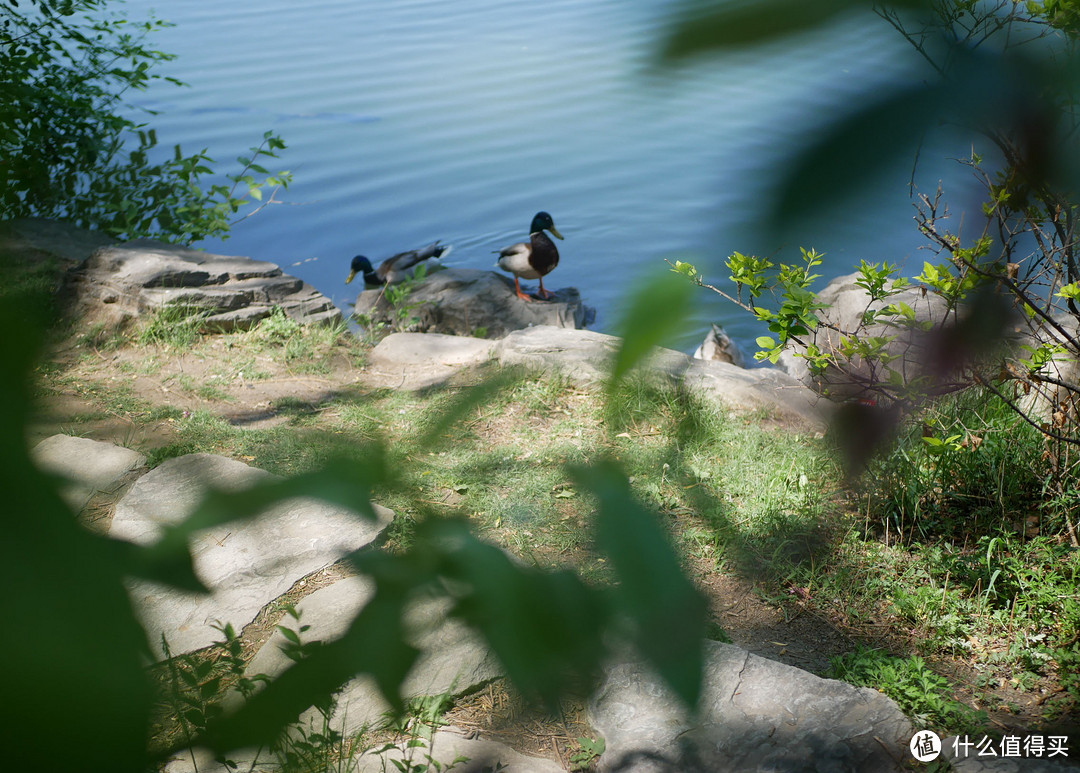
(688,270)
(718,26)
(289,634)
(545,627)
(666,609)
(656,311)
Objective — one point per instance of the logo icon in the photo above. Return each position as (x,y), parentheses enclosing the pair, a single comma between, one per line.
(925,746)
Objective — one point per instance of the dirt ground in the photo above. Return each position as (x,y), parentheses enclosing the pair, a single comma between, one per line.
(785,629)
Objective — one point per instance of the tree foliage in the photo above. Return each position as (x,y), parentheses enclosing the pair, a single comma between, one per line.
(68,149)
(1005,73)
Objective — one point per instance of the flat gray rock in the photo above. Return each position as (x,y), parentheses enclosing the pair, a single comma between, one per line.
(453,659)
(971,761)
(328,611)
(246,564)
(448,745)
(53,237)
(90,466)
(755,715)
(421,360)
(461,301)
(585,357)
(122,281)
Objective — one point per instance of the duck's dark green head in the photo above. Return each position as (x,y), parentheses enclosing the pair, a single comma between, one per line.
(359,265)
(543,222)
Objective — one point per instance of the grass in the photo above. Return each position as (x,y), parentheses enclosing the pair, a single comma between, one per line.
(922,694)
(949,556)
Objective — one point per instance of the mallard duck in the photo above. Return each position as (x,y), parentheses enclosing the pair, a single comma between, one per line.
(534,259)
(395,269)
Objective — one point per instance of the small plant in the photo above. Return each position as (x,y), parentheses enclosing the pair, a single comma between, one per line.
(589,751)
(305,347)
(922,694)
(401,316)
(415,731)
(175,326)
(278,327)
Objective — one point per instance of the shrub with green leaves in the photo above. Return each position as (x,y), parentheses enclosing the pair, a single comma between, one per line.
(70,152)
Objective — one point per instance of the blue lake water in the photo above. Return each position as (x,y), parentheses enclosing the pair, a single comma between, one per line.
(417,120)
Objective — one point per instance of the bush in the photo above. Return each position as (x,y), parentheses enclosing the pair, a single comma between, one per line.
(69,153)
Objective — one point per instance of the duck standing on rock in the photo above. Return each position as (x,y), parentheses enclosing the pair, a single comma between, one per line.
(395,269)
(534,259)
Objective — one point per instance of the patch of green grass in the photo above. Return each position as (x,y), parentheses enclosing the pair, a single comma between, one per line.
(306,349)
(970,467)
(922,694)
(174,326)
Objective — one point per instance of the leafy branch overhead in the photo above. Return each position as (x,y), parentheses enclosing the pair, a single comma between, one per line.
(994,68)
(69,150)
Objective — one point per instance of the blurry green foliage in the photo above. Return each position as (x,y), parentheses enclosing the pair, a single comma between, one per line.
(80,651)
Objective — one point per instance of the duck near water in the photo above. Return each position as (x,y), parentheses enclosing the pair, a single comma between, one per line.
(395,269)
(533,259)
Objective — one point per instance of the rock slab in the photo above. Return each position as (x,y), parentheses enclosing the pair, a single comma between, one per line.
(421,360)
(453,659)
(245,564)
(584,357)
(450,744)
(123,281)
(90,466)
(755,715)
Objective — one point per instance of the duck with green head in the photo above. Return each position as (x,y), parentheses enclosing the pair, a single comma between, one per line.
(533,259)
(397,268)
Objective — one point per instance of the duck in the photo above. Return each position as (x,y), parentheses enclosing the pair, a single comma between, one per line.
(397,268)
(533,259)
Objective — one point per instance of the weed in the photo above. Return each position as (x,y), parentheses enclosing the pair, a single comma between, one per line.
(305,348)
(922,694)
(401,315)
(589,751)
(174,326)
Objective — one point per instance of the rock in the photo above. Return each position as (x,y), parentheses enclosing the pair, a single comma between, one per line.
(421,360)
(846,305)
(328,611)
(90,466)
(55,238)
(460,301)
(1047,398)
(973,762)
(453,659)
(755,714)
(120,282)
(718,346)
(246,564)
(448,745)
(583,356)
